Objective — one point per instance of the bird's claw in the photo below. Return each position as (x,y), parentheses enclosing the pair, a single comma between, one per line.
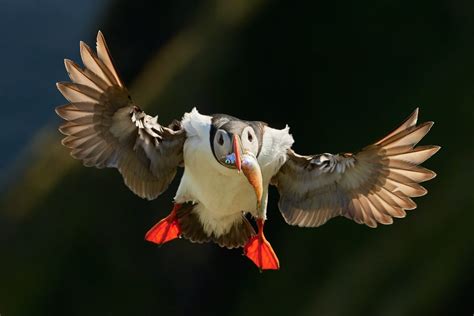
(259,250)
(165,230)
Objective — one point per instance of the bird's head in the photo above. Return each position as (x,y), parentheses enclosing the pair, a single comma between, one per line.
(236,145)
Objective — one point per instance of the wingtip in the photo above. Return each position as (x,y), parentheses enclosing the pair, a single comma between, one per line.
(84,47)
(429,124)
(414,116)
(431,150)
(61,129)
(61,84)
(68,64)
(423,192)
(409,122)
(58,110)
(100,37)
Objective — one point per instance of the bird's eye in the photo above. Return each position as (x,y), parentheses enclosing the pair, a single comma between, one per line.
(250,137)
(249,140)
(222,145)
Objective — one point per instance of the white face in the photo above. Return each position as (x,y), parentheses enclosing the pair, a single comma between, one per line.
(223,145)
(249,141)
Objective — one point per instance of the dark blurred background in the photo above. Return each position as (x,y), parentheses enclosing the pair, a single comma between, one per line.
(340,74)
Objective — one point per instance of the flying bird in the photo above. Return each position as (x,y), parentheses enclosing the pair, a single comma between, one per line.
(230,163)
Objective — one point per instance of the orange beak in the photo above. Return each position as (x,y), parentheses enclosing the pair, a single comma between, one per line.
(237,151)
(247,163)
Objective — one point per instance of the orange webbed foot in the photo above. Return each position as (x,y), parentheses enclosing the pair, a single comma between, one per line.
(165,230)
(259,250)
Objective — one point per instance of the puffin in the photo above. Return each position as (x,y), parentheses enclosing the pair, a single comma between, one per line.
(230,163)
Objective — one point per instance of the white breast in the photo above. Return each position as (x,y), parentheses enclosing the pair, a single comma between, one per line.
(223,194)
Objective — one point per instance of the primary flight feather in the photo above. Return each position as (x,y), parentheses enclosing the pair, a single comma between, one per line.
(229,164)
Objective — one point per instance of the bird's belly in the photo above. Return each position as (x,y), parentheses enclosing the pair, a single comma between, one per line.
(222,191)
(221,194)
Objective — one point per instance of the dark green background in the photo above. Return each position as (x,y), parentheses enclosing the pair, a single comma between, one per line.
(341,75)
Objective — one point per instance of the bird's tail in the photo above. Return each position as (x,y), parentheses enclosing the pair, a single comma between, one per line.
(192,229)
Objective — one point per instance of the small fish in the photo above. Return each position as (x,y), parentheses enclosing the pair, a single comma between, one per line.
(252,172)
(230,159)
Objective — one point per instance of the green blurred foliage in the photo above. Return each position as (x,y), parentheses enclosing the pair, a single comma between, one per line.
(341,75)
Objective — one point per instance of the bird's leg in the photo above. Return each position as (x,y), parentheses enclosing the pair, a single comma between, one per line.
(259,250)
(167,229)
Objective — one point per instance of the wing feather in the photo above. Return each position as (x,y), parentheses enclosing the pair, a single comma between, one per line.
(104,128)
(409,122)
(104,55)
(370,187)
(77,75)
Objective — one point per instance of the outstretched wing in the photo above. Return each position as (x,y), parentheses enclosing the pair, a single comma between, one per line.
(105,128)
(369,187)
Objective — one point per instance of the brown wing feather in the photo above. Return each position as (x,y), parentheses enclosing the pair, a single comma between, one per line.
(104,128)
(370,187)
